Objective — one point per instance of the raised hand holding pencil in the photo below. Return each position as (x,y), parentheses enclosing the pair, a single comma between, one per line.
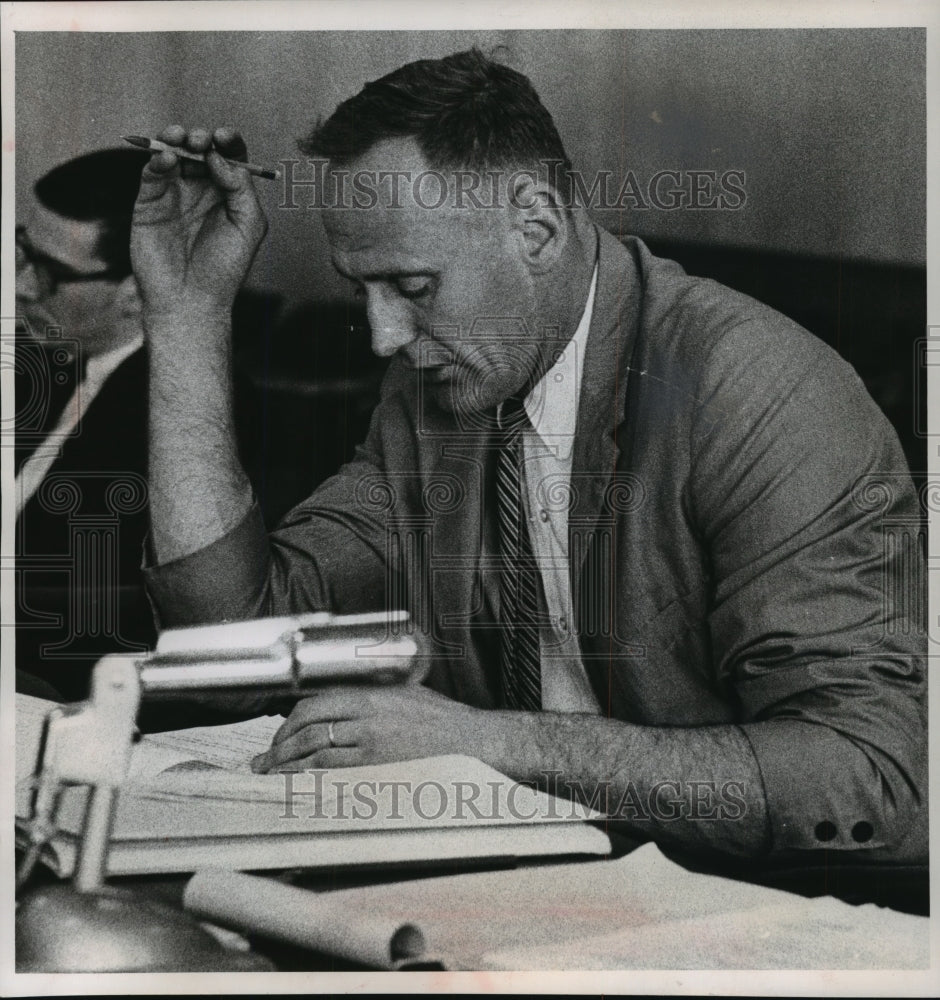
(195,231)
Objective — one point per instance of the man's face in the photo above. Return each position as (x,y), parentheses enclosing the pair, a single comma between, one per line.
(448,288)
(62,281)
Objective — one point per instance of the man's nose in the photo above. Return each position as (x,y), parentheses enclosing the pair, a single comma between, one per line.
(27,284)
(391,325)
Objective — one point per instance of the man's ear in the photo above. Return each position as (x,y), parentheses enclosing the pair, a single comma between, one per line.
(127,298)
(540,220)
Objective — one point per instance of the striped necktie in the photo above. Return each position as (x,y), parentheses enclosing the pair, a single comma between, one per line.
(518,580)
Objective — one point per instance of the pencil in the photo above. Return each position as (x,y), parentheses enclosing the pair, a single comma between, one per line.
(155,146)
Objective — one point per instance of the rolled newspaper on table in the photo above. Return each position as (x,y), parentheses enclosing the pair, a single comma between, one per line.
(302,917)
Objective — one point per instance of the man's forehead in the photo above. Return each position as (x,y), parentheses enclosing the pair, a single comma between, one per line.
(400,155)
(353,229)
(365,243)
(71,241)
(391,194)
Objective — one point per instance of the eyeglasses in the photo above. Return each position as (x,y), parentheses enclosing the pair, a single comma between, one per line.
(51,273)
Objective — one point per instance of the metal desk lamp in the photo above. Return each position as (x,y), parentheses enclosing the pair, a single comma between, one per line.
(88,926)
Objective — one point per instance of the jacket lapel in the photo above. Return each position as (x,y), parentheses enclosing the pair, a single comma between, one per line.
(604,381)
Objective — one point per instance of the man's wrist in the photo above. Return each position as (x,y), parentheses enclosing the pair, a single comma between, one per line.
(189,318)
(505,740)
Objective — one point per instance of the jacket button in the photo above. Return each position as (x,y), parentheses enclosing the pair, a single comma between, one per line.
(862,832)
(825,831)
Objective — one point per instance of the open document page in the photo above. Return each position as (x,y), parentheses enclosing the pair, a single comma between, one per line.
(190,800)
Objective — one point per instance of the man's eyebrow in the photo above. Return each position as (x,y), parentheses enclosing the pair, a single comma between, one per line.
(417,272)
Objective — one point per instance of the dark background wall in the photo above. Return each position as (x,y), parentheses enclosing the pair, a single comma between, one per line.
(827,126)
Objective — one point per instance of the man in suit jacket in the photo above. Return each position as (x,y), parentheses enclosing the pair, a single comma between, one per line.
(705,493)
(81,433)
(81,385)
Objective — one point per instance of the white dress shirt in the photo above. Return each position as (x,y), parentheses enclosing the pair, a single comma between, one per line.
(37,466)
(552,408)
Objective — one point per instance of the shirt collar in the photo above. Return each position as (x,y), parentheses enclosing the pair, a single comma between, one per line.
(552,405)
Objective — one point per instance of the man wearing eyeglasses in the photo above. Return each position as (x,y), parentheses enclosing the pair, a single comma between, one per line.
(81,428)
(80,488)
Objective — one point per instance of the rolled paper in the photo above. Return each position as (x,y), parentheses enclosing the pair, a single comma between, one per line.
(302,917)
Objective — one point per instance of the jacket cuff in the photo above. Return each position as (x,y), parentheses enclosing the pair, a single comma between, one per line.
(822,791)
(213,584)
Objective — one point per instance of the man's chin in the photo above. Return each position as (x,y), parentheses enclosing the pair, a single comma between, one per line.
(469,412)
(444,395)
(458,392)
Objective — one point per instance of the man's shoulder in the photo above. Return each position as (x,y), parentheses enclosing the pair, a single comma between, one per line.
(700,324)
(694,308)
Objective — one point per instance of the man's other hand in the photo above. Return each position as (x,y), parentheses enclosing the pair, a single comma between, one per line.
(196,228)
(371,726)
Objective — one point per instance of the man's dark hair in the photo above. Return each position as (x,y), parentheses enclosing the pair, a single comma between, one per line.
(466,112)
(98,187)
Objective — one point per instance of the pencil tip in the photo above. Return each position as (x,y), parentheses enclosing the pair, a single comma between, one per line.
(137,140)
